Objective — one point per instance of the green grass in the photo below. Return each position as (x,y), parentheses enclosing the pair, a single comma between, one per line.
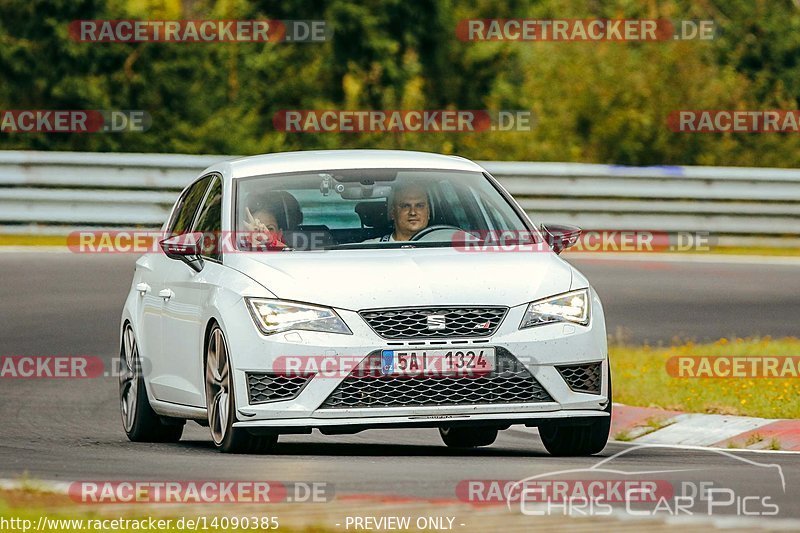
(623,435)
(641,379)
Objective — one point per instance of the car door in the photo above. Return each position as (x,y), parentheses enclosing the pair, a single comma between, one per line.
(166,383)
(183,335)
(146,281)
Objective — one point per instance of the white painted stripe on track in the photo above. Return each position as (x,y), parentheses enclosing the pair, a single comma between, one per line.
(637,442)
(707,448)
(702,430)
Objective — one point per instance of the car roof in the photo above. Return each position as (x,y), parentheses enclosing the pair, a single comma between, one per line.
(319,160)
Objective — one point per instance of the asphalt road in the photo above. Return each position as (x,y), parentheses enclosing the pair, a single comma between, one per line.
(62,304)
(661,301)
(70,304)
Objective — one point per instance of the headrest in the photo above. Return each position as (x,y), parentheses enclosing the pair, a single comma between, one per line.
(282,204)
(373,214)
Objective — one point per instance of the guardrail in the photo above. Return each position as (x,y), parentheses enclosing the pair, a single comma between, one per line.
(56,192)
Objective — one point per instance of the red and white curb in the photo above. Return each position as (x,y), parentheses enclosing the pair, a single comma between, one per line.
(645,425)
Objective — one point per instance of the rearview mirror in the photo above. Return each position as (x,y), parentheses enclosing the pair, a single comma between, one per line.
(186,248)
(560,236)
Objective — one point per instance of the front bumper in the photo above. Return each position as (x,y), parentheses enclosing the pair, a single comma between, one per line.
(438,419)
(541,350)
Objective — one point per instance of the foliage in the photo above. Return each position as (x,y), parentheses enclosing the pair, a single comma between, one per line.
(601,102)
(641,378)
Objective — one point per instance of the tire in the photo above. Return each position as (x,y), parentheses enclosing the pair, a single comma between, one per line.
(140,422)
(221,404)
(564,439)
(467,437)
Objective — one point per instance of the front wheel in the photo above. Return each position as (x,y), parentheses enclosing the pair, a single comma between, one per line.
(467,437)
(221,404)
(571,439)
(140,422)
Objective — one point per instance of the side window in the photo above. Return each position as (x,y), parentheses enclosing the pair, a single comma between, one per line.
(210,219)
(187,207)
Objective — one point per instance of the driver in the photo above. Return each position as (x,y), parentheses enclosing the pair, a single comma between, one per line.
(410,211)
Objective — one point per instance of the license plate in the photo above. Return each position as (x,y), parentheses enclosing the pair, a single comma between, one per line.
(445,362)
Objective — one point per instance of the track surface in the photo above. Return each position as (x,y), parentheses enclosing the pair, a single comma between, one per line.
(70,429)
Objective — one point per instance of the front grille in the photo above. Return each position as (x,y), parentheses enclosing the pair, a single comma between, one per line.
(411,323)
(511,382)
(267,387)
(583,378)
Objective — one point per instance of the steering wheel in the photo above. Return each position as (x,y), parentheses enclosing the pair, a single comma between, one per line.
(430,229)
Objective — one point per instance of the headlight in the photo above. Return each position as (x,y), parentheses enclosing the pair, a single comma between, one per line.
(274,316)
(568,307)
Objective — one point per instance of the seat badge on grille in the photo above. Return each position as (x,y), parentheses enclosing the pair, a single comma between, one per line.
(436,322)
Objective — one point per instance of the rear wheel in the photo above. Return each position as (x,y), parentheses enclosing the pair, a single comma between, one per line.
(585,438)
(140,422)
(221,404)
(467,437)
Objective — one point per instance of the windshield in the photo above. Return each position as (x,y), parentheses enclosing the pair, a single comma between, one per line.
(371,209)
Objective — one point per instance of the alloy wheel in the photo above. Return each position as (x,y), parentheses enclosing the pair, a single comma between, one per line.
(217,386)
(129,379)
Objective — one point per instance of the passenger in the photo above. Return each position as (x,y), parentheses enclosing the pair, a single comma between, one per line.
(262,228)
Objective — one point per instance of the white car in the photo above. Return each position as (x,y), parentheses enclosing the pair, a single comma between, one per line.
(357,289)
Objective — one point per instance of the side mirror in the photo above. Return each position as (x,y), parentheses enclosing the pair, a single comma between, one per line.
(560,236)
(186,248)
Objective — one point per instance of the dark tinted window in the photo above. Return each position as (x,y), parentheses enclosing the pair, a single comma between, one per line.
(187,207)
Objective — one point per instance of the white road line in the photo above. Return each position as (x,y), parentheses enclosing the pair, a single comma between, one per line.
(702,430)
(639,442)
(707,448)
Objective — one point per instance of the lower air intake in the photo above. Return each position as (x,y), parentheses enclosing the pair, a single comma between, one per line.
(268,387)
(583,378)
(511,382)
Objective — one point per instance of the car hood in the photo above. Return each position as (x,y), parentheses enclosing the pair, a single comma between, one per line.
(364,279)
